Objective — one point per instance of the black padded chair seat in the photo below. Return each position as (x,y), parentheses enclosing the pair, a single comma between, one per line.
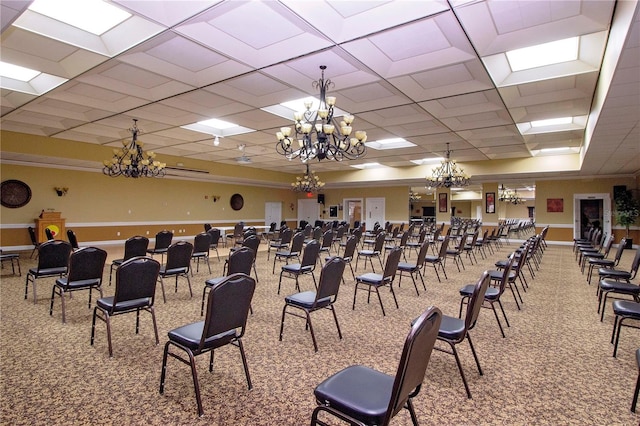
(357,390)
(620,287)
(45,272)
(497,275)
(64,282)
(213,281)
(306,299)
(106,303)
(626,308)
(602,262)
(371,278)
(297,268)
(451,328)
(367,252)
(491,293)
(173,271)
(190,335)
(614,273)
(407,267)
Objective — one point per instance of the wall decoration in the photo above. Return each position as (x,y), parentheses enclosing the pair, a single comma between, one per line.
(555,205)
(333,211)
(236,202)
(15,193)
(490,202)
(442,203)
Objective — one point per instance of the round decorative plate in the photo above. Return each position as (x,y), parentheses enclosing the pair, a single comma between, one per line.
(236,201)
(15,193)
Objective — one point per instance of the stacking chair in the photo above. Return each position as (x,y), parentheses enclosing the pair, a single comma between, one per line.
(236,235)
(417,244)
(456,252)
(305,267)
(281,242)
(516,268)
(326,242)
(73,240)
(493,293)
(294,251)
(323,298)
(338,236)
(227,311)
(207,226)
(359,395)
(438,260)
(414,268)
(239,262)
(637,391)
(606,263)
(133,247)
(253,242)
(455,330)
(86,267)
(621,274)
(214,235)
(201,247)
(34,241)
(163,241)
(371,281)
(469,248)
(602,254)
(269,233)
(347,254)
(619,282)
(14,259)
(49,234)
(135,291)
(402,243)
(374,252)
(53,260)
(623,310)
(178,265)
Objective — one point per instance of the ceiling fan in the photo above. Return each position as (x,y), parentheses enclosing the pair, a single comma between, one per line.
(243,159)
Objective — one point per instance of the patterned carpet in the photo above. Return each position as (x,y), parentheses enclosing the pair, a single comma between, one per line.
(554,366)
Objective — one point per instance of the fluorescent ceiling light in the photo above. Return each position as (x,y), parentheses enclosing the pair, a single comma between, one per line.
(393,143)
(543,54)
(94,16)
(287,109)
(17,72)
(428,161)
(367,166)
(219,124)
(217,127)
(555,151)
(552,122)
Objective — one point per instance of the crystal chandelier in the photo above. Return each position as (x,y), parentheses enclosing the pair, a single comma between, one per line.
(414,196)
(309,182)
(509,196)
(448,175)
(132,161)
(317,133)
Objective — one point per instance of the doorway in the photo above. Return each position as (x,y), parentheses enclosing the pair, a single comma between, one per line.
(272,212)
(374,211)
(307,210)
(591,210)
(352,211)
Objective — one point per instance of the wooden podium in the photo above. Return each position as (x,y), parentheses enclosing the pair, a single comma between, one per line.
(54,222)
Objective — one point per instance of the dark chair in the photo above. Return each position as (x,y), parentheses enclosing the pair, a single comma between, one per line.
(326,242)
(455,330)
(214,235)
(438,260)
(414,268)
(14,259)
(347,254)
(371,281)
(253,242)
(133,247)
(280,242)
(360,395)
(49,234)
(323,298)
(369,254)
(201,247)
(469,248)
(624,310)
(609,286)
(135,291)
(602,254)
(401,242)
(269,233)
(178,265)
(608,278)
(227,311)
(239,262)
(305,267)
(238,228)
(207,226)
(456,252)
(417,244)
(493,293)
(53,260)
(163,241)
(294,251)
(602,264)
(34,241)
(73,240)
(86,267)
(637,391)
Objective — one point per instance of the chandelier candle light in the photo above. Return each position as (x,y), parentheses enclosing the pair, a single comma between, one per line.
(317,134)
(309,183)
(448,175)
(132,161)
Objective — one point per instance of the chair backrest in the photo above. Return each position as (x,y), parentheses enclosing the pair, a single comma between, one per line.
(310,255)
(237,230)
(308,230)
(391,265)
(249,232)
(71,236)
(214,234)
(136,279)
(54,254)
(422,235)
(317,233)
(272,227)
(179,255)
(285,235)
(330,278)
(635,264)
(505,273)
(202,243)
(621,246)
(297,243)
(207,226)
(404,238)
(32,235)
(476,300)
(327,238)
(474,238)
(422,253)
(228,306)
(607,244)
(240,261)
(135,246)
(358,234)
(414,360)
(350,248)
(86,263)
(163,239)
(379,242)
(444,247)
(48,233)
(253,242)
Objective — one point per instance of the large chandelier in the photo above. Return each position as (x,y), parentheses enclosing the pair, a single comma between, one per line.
(317,133)
(309,182)
(509,196)
(448,175)
(132,161)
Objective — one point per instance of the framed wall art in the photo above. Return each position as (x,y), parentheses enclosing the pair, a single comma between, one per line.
(555,205)
(442,203)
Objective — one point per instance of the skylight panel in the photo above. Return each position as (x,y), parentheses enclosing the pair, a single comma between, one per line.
(543,54)
(219,124)
(393,143)
(217,127)
(17,72)
(552,122)
(428,161)
(94,16)
(367,166)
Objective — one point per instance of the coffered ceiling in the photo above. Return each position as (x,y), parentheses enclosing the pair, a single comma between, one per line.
(432,72)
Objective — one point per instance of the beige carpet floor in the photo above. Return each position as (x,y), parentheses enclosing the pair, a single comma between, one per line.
(553,368)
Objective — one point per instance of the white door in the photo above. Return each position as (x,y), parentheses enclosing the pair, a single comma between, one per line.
(272,213)
(308,210)
(374,208)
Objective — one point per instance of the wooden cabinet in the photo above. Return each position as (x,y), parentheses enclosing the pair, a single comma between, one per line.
(54,222)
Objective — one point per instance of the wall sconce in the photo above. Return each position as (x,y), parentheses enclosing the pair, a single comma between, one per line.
(61,191)
(215,198)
